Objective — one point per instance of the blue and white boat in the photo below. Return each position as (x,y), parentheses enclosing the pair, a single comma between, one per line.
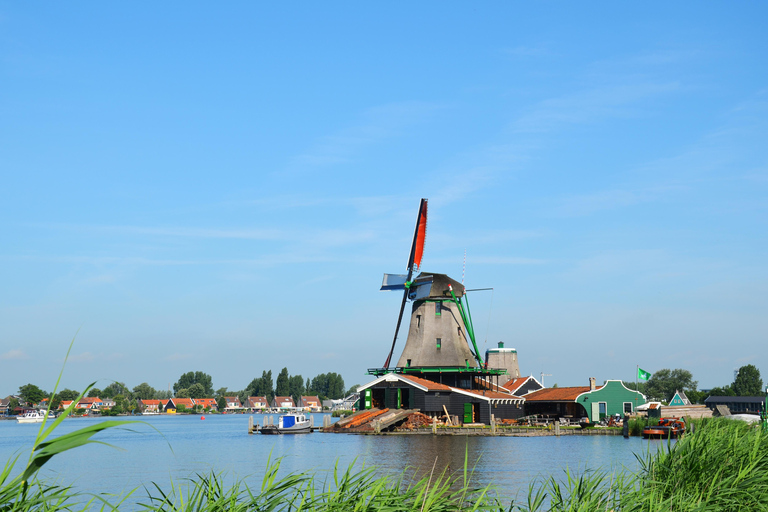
(289,424)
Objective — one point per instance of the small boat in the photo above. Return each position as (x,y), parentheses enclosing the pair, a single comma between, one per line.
(33,416)
(666,429)
(289,424)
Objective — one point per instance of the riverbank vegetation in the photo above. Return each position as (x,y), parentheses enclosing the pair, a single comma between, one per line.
(723,466)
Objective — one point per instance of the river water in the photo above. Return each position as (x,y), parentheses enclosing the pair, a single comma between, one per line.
(166,448)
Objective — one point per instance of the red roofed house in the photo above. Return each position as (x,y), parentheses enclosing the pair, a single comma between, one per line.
(88,403)
(172,405)
(256,403)
(283,402)
(150,405)
(233,404)
(312,403)
(521,386)
(207,403)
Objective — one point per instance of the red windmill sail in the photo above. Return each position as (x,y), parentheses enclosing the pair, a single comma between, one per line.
(421,235)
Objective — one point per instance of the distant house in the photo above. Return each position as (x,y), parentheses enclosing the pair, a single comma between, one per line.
(65,404)
(172,405)
(5,404)
(283,402)
(312,403)
(206,403)
(233,404)
(90,403)
(150,405)
(108,403)
(256,403)
(737,404)
(679,398)
(521,386)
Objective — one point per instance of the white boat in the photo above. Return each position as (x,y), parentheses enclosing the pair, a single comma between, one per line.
(33,416)
(289,424)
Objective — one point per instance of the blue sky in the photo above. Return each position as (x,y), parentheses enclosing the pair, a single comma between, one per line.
(220,187)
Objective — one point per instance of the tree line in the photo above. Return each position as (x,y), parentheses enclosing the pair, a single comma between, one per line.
(198,384)
(662,384)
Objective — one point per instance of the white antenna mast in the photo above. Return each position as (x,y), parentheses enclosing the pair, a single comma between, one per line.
(544,375)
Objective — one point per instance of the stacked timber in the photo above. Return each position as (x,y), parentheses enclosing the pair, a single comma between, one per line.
(687,411)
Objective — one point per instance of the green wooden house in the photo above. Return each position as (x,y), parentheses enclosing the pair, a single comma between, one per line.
(610,399)
(679,398)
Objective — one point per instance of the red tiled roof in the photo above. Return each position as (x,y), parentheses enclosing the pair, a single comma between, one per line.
(206,402)
(186,402)
(150,402)
(311,399)
(431,386)
(515,383)
(556,394)
(90,400)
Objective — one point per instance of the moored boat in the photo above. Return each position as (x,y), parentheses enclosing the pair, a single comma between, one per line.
(289,424)
(32,416)
(667,428)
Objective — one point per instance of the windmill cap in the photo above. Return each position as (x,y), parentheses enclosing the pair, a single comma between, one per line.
(441,284)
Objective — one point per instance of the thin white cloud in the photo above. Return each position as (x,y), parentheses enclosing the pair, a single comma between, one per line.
(13,355)
(377,124)
(590,105)
(85,357)
(178,356)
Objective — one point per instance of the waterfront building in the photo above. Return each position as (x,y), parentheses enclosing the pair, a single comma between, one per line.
(283,402)
(521,386)
(311,403)
(150,405)
(256,403)
(737,404)
(592,402)
(679,398)
(172,405)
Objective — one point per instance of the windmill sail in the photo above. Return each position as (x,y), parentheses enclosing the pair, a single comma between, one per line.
(414,260)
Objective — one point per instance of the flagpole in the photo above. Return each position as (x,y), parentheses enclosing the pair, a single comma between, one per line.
(637,385)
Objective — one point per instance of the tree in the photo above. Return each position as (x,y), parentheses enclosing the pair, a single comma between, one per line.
(13,404)
(221,403)
(94,392)
(114,389)
(282,385)
(182,393)
(196,390)
(261,386)
(163,394)
(221,392)
(296,387)
(748,382)
(144,391)
(190,378)
(351,390)
(31,394)
(68,394)
(665,382)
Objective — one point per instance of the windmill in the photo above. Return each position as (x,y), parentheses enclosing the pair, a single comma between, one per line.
(441,328)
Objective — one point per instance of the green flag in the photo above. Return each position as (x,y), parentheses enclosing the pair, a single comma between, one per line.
(642,374)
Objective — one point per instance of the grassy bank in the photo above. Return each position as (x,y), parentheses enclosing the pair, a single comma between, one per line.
(722,467)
